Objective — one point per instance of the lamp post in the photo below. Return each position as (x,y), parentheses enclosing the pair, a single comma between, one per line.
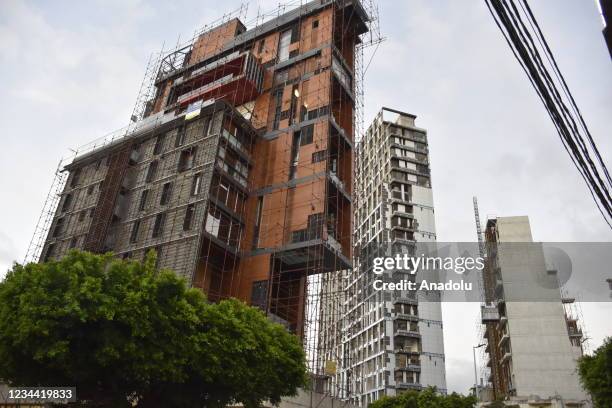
(475,371)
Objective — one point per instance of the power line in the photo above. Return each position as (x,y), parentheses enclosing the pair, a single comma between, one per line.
(570,124)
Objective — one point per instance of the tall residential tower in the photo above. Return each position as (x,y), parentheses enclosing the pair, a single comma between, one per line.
(394,341)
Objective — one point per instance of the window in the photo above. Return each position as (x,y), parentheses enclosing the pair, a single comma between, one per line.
(223,227)
(50,252)
(187,159)
(196,184)
(261,46)
(82,216)
(222,191)
(135,229)
(73,242)
(295,92)
(295,33)
(280,77)
(212,225)
(278,102)
(67,202)
(143,200)
(313,231)
(207,126)
(151,171)
(159,144)
(314,113)
(76,175)
(259,294)
(188,217)
(91,212)
(59,224)
(180,137)
(319,156)
(165,196)
(258,215)
(315,24)
(283,46)
(295,154)
(90,190)
(158,225)
(158,251)
(134,155)
(307,135)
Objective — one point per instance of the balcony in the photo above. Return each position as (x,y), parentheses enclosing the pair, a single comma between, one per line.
(419,170)
(237,78)
(411,135)
(413,148)
(408,333)
(574,332)
(240,148)
(407,300)
(407,350)
(410,367)
(409,386)
(489,314)
(504,339)
(339,184)
(507,357)
(418,159)
(404,316)
(399,195)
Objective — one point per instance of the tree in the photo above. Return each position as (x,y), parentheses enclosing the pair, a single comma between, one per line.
(428,398)
(125,334)
(596,374)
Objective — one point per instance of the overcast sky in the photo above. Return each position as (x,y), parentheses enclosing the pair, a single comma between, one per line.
(70,72)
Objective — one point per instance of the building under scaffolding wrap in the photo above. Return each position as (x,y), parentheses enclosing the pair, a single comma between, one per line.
(236,168)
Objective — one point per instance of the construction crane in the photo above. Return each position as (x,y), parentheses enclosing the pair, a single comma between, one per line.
(481,246)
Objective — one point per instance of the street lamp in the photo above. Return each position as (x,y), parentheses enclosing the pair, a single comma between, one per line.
(475,372)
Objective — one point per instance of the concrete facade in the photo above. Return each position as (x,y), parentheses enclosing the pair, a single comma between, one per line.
(392,342)
(532,345)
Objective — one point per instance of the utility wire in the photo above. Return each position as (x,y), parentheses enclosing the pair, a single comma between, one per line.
(520,39)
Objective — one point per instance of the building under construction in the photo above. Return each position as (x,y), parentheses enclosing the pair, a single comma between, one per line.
(392,340)
(237,166)
(532,336)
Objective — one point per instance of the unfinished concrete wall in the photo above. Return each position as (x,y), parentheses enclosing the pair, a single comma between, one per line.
(72,221)
(541,360)
(212,41)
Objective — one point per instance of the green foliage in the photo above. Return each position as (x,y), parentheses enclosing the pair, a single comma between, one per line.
(427,398)
(123,333)
(596,374)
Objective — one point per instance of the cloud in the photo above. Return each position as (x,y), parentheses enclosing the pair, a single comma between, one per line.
(70,73)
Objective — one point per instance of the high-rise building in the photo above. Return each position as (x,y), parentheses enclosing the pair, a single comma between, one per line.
(237,167)
(392,341)
(605,7)
(532,337)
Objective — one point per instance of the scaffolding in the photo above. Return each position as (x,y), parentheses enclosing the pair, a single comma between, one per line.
(236,167)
